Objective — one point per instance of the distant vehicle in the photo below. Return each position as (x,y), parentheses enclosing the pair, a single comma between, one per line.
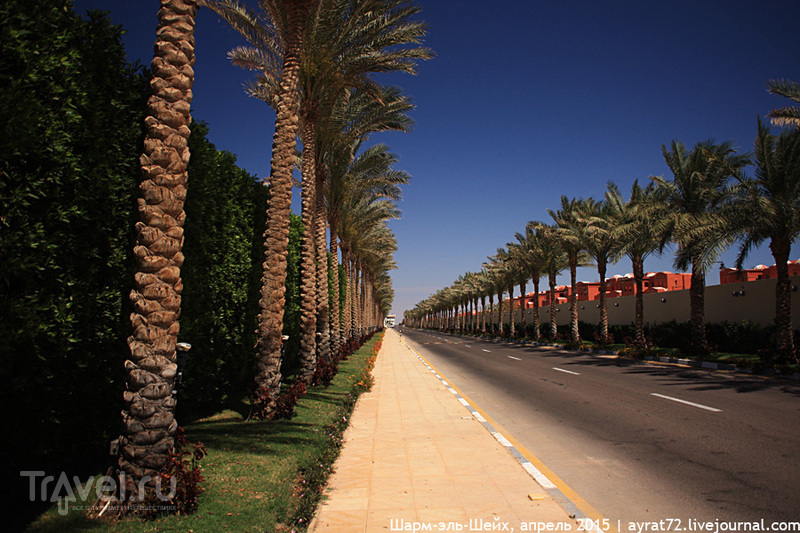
(388,322)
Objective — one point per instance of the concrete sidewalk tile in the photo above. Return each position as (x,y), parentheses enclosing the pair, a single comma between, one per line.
(413,453)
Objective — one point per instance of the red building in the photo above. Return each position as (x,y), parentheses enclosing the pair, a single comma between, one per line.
(588,290)
(731,275)
(615,286)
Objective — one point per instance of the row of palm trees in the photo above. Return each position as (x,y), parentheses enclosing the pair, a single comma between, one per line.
(708,204)
(314,60)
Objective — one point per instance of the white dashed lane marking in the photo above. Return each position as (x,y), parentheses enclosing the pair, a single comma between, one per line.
(698,405)
(566,371)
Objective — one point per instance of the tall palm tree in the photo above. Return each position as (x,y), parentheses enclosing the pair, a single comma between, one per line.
(694,197)
(349,41)
(602,247)
(276,36)
(519,260)
(343,43)
(556,261)
(508,268)
(768,207)
(483,282)
(785,116)
(570,235)
(529,247)
(348,126)
(472,283)
(500,270)
(149,423)
(273,281)
(362,226)
(356,183)
(639,231)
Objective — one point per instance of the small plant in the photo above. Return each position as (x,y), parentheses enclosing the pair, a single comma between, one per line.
(183,466)
(600,341)
(324,373)
(287,402)
(637,350)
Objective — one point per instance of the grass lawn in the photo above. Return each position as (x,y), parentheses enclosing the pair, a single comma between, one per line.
(259,476)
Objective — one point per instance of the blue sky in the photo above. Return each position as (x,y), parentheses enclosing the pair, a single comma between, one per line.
(526,101)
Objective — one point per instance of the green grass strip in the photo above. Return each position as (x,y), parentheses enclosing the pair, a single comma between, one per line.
(259,476)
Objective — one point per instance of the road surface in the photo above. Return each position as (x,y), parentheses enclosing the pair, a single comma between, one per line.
(638,441)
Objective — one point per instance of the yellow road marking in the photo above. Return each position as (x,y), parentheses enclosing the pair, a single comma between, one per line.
(565,489)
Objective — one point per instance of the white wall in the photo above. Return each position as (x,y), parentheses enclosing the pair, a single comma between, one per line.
(756,305)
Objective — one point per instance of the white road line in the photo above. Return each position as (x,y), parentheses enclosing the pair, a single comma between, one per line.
(467,346)
(538,476)
(512,357)
(501,439)
(699,406)
(485,350)
(566,371)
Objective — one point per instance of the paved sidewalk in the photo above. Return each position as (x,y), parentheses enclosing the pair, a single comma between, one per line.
(414,457)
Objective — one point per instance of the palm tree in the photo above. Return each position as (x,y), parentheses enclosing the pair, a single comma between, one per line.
(483,287)
(349,41)
(518,257)
(500,273)
(345,42)
(354,118)
(348,126)
(508,269)
(356,182)
(768,207)
(785,116)
(693,197)
(529,247)
(639,230)
(570,235)
(277,39)
(603,248)
(149,423)
(362,225)
(555,262)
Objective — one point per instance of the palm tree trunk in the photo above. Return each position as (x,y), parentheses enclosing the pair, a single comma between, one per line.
(500,313)
(536,333)
(148,413)
(783,300)
(491,308)
(697,311)
(602,265)
(323,303)
(522,308)
(308,268)
(511,309)
(638,277)
(551,279)
(473,317)
(273,280)
(347,320)
(335,316)
(483,313)
(573,300)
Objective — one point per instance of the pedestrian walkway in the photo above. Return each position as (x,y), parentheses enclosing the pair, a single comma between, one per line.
(415,459)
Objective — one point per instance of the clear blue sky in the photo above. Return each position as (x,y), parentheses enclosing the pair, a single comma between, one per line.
(528,100)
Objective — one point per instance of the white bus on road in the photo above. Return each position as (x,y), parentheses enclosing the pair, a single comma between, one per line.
(388,322)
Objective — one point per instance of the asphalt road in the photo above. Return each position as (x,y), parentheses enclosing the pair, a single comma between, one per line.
(638,441)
